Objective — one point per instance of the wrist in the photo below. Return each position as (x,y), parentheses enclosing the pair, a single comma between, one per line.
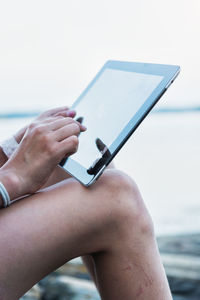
(11,182)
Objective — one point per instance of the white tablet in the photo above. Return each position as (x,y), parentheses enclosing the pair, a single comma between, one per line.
(112,107)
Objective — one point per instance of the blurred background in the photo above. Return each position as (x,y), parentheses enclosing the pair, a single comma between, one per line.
(49,52)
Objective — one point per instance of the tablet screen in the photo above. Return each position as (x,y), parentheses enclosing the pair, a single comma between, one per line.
(106,109)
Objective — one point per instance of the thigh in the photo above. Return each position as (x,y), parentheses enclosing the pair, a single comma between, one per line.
(43,231)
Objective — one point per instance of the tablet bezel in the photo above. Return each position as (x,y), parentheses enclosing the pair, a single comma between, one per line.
(168,72)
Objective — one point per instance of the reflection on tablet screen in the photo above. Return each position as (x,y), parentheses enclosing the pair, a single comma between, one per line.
(106,109)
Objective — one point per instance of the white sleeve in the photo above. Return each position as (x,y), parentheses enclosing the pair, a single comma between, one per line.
(9,146)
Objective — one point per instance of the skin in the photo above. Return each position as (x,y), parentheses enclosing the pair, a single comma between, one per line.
(107,224)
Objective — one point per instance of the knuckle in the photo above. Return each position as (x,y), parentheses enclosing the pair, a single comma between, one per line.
(49,146)
(69,120)
(32,126)
(59,116)
(75,127)
(38,130)
(73,143)
(52,149)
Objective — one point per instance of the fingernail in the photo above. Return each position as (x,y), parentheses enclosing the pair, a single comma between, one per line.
(71,113)
(84,127)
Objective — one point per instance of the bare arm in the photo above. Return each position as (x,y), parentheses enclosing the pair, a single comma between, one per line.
(60,111)
(57,112)
(43,146)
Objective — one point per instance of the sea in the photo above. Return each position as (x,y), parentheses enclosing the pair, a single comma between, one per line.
(163,157)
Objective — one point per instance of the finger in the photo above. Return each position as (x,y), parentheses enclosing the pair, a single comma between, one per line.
(56,110)
(67,113)
(48,119)
(68,146)
(67,131)
(61,122)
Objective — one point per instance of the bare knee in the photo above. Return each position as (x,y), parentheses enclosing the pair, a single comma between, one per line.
(115,209)
(128,213)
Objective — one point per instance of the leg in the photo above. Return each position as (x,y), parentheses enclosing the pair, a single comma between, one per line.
(57,176)
(108,221)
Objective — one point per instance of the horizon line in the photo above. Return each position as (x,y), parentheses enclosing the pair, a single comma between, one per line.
(164,110)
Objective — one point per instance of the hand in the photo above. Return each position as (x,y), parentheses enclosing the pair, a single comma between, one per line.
(64,160)
(43,146)
(60,111)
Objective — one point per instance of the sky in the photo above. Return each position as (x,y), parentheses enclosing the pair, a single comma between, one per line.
(50,50)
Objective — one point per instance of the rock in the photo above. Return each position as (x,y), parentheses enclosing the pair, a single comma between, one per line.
(181,258)
(181,265)
(188,244)
(179,298)
(65,287)
(73,268)
(184,287)
(55,289)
